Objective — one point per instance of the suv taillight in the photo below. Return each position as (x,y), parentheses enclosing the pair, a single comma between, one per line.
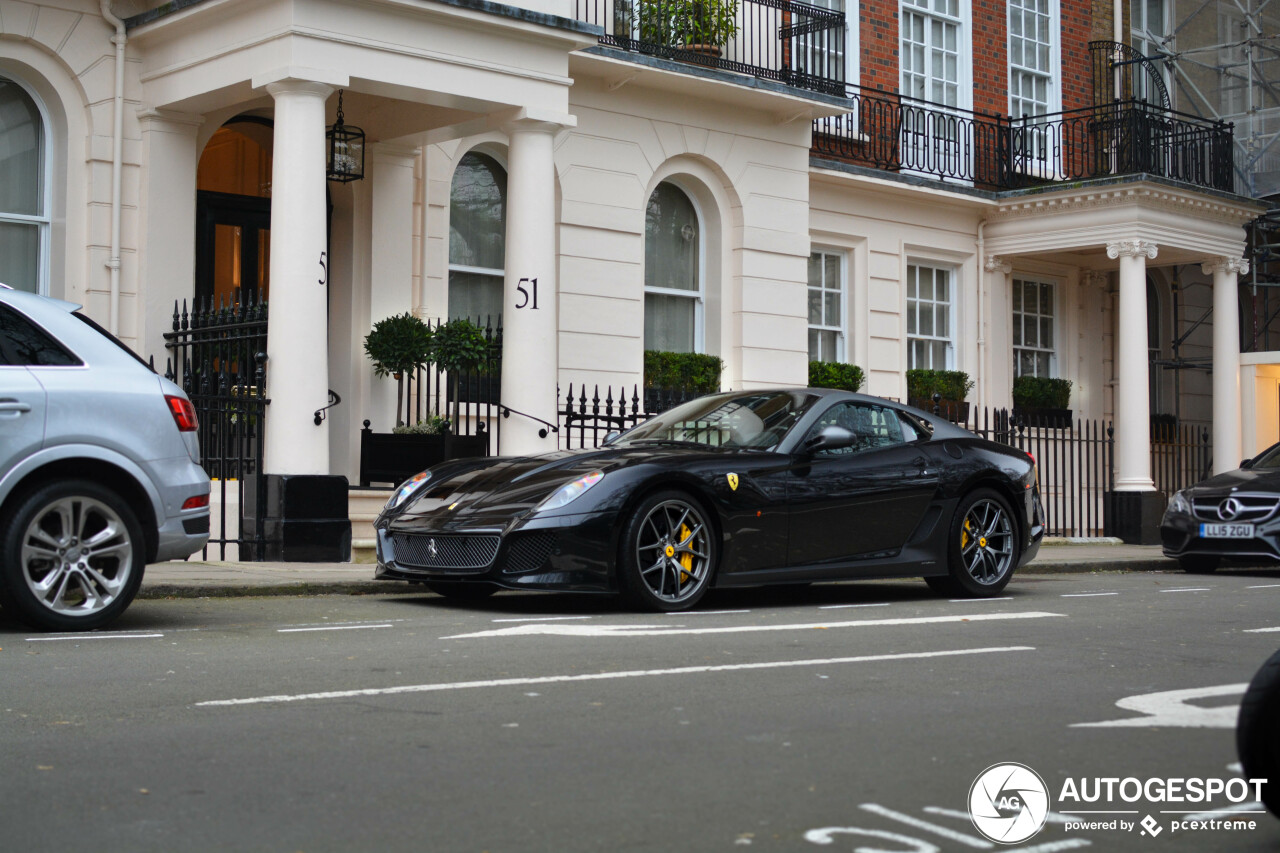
(184,414)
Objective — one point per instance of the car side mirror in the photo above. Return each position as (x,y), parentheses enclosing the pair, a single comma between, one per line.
(608,439)
(1246,463)
(830,437)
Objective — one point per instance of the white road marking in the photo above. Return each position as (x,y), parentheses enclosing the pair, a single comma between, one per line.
(916,822)
(1229,811)
(94,637)
(1189,589)
(603,676)
(1086,594)
(706,612)
(1169,708)
(1264,586)
(1050,817)
(826,834)
(844,606)
(543,619)
(1261,630)
(328,624)
(979,600)
(1055,846)
(329,628)
(663,631)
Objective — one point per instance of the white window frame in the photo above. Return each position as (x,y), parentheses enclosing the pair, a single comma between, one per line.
(912,312)
(1147,41)
(852,35)
(841,288)
(1052,75)
(1017,281)
(964,68)
(43,220)
(450,267)
(699,296)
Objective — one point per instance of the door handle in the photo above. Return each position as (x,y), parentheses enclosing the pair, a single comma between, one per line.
(14,406)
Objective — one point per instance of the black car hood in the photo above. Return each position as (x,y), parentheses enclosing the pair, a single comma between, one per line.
(496,491)
(1243,479)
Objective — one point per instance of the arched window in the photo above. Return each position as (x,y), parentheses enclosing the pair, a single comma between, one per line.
(672,272)
(477,238)
(24,193)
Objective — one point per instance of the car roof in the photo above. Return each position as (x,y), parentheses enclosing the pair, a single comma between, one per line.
(25,298)
(942,428)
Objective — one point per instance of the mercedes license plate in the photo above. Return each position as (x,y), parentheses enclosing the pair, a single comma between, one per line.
(1226,531)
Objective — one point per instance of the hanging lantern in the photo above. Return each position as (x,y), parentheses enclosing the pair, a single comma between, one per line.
(344,161)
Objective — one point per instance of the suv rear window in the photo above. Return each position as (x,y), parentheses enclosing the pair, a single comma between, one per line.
(25,344)
(88,321)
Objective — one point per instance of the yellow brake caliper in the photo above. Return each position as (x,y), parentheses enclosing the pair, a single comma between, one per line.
(686,559)
(964,534)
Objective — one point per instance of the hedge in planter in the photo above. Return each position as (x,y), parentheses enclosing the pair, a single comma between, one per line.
(830,374)
(398,346)
(1045,401)
(952,385)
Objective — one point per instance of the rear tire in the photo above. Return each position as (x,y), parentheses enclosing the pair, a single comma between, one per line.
(1257,736)
(71,557)
(982,547)
(1199,565)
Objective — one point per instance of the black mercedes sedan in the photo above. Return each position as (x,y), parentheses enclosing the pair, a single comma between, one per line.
(737,489)
(1231,515)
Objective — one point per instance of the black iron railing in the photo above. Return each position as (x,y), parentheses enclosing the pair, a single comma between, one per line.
(586,418)
(791,42)
(218,354)
(901,134)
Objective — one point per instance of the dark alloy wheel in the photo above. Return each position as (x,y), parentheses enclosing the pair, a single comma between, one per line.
(1257,736)
(72,556)
(461,591)
(668,553)
(1198,565)
(983,548)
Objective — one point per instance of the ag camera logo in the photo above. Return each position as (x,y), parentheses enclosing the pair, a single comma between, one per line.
(1008,803)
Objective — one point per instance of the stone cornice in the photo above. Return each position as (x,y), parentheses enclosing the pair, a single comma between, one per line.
(1144,195)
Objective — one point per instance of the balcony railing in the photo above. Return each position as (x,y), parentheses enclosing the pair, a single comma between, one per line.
(790,42)
(900,134)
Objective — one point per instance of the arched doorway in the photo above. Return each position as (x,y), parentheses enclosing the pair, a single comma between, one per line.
(233,214)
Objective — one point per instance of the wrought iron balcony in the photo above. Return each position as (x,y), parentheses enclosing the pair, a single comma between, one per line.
(900,134)
(783,40)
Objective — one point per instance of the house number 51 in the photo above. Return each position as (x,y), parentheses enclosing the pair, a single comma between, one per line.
(526,300)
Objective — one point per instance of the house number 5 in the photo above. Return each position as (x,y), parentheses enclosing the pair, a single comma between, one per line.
(324,268)
(527,301)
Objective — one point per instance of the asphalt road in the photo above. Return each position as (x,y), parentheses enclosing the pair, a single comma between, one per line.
(839,717)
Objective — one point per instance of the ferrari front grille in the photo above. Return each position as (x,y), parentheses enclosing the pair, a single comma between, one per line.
(528,552)
(452,553)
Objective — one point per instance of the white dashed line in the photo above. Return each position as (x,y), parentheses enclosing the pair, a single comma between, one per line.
(1261,630)
(94,637)
(604,676)
(542,619)
(979,600)
(1189,589)
(329,628)
(1086,594)
(1228,811)
(706,612)
(1264,586)
(843,606)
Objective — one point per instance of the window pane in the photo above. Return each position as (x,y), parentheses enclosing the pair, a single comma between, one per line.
(475,297)
(1017,329)
(831,308)
(926,321)
(943,290)
(477,213)
(668,322)
(815,351)
(670,240)
(942,323)
(20,255)
(815,306)
(21,152)
(1046,332)
(24,343)
(833,271)
(815,269)
(1029,337)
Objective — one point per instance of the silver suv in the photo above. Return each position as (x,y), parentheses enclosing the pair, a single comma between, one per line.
(99,467)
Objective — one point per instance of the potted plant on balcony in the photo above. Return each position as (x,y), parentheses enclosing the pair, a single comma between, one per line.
(830,374)
(701,27)
(951,385)
(1042,402)
(671,378)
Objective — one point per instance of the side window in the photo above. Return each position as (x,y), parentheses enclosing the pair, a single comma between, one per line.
(25,344)
(875,426)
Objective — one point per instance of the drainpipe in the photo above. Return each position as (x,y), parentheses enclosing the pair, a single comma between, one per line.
(117,136)
(982,326)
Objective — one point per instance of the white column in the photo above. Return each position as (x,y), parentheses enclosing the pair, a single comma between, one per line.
(529,326)
(1133,402)
(390,178)
(166,242)
(297,330)
(1226,362)
(994,308)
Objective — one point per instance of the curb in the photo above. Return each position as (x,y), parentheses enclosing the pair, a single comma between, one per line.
(1050,567)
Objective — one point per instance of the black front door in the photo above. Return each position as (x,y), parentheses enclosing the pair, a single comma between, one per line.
(233,245)
(863,501)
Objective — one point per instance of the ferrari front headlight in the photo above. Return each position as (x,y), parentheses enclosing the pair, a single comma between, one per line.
(407,489)
(570,492)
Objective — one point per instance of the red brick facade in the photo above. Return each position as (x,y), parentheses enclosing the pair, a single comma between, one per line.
(878,22)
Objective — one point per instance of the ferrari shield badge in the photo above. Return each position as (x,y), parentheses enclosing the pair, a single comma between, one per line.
(733,481)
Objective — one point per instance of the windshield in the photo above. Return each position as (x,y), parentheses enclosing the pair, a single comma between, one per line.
(757,421)
(1269,459)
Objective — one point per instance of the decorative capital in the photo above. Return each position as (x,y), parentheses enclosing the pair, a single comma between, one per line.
(1131,249)
(1239,266)
(996,264)
(1100,279)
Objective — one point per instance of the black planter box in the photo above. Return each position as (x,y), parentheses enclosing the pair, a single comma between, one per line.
(1042,418)
(956,411)
(390,458)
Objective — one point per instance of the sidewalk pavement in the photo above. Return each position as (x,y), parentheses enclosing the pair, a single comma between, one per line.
(211,578)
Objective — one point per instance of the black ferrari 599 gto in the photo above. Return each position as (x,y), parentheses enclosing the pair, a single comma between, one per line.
(735,489)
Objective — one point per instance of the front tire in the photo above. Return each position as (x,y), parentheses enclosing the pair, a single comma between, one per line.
(1257,737)
(982,547)
(71,558)
(668,554)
